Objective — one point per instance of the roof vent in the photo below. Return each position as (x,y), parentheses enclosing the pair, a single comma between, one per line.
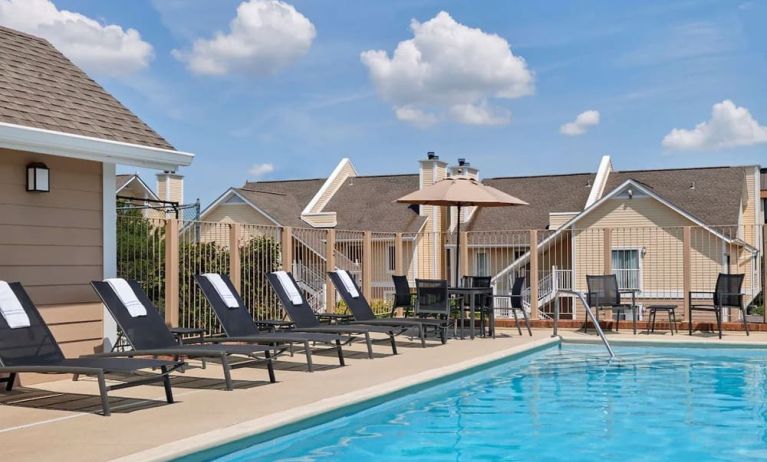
(431,156)
(692,185)
(588,183)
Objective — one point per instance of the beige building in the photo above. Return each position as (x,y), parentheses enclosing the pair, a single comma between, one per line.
(608,221)
(53,116)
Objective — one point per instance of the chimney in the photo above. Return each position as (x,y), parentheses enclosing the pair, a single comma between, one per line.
(464,168)
(432,170)
(170,187)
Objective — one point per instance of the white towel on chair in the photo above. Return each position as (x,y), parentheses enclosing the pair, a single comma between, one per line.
(290,288)
(11,309)
(127,296)
(348,283)
(222,289)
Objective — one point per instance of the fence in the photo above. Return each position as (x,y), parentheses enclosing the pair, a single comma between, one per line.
(662,263)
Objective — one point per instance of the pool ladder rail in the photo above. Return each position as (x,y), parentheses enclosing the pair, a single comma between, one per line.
(589,313)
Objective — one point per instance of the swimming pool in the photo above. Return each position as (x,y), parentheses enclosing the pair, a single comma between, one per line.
(568,403)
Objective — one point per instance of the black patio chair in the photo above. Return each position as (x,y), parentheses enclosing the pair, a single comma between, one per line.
(305,320)
(604,294)
(363,313)
(403,296)
(483,303)
(34,349)
(149,336)
(727,294)
(432,299)
(239,326)
(515,303)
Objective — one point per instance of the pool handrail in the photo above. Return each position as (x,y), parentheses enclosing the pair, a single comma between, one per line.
(589,313)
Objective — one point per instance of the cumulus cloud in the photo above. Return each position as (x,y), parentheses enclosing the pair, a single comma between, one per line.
(449,70)
(105,49)
(264,37)
(729,126)
(581,124)
(259,170)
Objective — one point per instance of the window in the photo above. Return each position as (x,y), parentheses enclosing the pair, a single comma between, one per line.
(627,269)
(392,258)
(482,264)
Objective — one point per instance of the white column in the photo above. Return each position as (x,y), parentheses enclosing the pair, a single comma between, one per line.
(109,247)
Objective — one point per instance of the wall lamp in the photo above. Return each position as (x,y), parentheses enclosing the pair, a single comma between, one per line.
(38,177)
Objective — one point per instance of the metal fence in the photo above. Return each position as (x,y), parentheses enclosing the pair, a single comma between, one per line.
(661,263)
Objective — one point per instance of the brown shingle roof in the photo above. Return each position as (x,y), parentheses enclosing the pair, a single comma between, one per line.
(282,200)
(123,179)
(545,194)
(367,203)
(715,199)
(41,88)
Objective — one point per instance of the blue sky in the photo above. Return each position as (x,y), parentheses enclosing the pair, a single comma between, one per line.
(646,67)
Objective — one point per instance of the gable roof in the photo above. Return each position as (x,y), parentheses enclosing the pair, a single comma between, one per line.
(545,194)
(367,203)
(124,180)
(40,88)
(282,201)
(714,200)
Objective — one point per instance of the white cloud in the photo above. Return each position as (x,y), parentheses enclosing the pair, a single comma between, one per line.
(264,37)
(729,126)
(415,116)
(105,49)
(581,124)
(259,170)
(449,69)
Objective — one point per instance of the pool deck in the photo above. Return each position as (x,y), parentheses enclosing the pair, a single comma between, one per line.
(58,421)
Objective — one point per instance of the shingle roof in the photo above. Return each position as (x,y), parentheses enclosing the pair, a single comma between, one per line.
(367,203)
(41,88)
(123,179)
(545,194)
(715,199)
(282,200)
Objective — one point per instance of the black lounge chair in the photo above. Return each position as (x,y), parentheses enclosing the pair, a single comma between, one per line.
(239,326)
(149,336)
(363,313)
(306,321)
(33,349)
(728,293)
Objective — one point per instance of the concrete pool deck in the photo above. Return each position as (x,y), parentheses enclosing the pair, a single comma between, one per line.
(57,420)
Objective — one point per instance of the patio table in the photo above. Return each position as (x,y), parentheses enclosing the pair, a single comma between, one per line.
(471,293)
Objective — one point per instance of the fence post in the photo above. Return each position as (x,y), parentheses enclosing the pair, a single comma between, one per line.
(286,248)
(533,274)
(764,271)
(686,269)
(399,261)
(235,273)
(171,273)
(330,252)
(367,267)
(608,251)
(464,270)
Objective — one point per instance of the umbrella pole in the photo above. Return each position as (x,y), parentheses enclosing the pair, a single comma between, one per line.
(458,249)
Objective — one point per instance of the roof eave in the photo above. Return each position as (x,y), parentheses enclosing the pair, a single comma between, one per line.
(61,144)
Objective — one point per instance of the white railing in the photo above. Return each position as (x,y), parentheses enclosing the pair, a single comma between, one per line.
(313,285)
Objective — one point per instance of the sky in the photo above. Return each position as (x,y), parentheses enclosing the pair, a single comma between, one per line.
(263,89)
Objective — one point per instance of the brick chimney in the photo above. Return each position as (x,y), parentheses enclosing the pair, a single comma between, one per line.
(170,187)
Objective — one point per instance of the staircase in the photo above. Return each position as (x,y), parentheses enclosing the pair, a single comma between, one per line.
(549,282)
(312,283)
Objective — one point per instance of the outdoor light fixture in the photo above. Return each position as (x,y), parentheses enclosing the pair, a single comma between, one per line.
(38,178)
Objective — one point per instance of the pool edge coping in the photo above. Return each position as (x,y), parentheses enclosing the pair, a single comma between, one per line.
(692,343)
(190,445)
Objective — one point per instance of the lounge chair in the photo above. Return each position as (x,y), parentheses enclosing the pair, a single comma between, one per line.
(29,346)
(148,335)
(727,293)
(305,320)
(239,326)
(404,298)
(363,314)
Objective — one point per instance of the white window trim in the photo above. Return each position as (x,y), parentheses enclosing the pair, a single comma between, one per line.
(640,259)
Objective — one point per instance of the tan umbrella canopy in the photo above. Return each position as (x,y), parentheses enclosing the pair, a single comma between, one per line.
(460,191)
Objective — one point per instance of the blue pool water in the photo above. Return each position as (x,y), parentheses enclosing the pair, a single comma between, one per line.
(569,403)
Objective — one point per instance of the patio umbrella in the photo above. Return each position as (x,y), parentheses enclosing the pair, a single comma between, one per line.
(460,191)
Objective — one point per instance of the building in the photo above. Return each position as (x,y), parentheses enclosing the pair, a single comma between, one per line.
(133,192)
(569,213)
(53,117)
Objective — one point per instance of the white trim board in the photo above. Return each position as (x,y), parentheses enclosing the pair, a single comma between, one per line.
(61,144)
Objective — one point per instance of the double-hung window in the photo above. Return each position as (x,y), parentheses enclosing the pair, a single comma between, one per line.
(627,268)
